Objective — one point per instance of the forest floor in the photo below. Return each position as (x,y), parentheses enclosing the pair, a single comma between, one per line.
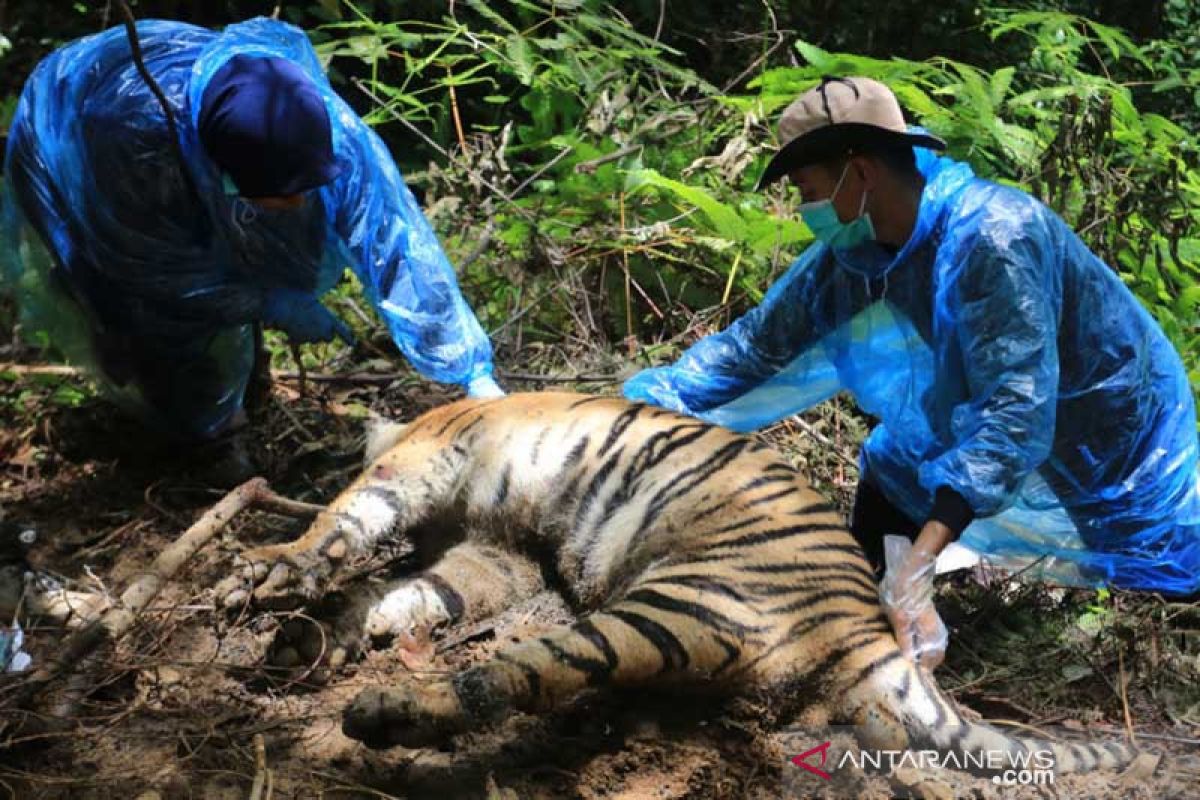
(183,707)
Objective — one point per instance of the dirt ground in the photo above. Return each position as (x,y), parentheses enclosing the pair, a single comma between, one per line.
(183,707)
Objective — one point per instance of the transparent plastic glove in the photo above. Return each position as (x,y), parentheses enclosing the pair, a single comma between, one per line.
(483,387)
(907,596)
(302,317)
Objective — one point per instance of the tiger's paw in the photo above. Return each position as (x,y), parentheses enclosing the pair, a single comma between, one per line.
(281,576)
(408,716)
(412,611)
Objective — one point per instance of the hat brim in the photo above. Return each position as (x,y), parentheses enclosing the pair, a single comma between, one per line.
(831,141)
(311,179)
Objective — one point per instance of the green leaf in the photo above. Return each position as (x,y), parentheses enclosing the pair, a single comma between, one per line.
(521,56)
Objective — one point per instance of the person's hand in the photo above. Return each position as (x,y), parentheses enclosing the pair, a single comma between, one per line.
(302,317)
(907,596)
(483,387)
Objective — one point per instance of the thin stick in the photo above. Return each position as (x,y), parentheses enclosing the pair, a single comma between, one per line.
(458,128)
(40,369)
(1124,694)
(396,116)
(269,501)
(260,762)
(628,279)
(588,167)
(300,370)
(821,438)
(135,46)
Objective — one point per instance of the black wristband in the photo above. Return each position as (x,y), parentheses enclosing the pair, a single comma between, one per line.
(952,510)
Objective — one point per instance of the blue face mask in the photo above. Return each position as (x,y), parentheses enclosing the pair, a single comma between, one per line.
(852,243)
(822,219)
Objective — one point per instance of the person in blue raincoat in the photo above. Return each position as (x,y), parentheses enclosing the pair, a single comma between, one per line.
(1026,401)
(154,261)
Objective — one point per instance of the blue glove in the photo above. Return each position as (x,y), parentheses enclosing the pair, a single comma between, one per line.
(483,387)
(302,317)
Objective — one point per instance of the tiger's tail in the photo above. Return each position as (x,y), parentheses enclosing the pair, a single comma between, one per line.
(903,704)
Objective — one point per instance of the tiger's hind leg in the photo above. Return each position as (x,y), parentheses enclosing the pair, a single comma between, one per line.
(471,581)
(655,639)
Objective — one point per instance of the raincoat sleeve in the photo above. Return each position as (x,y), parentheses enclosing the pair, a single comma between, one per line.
(1005,307)
(724,366)
(399,260)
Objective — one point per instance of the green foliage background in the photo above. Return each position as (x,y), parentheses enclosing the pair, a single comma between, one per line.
(589,165)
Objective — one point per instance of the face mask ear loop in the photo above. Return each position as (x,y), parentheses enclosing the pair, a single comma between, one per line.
(837,188)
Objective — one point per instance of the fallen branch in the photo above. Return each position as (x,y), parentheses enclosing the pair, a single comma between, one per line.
(118,620)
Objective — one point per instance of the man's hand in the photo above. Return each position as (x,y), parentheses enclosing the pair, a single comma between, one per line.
(907,594)
(302,317)
(483,387)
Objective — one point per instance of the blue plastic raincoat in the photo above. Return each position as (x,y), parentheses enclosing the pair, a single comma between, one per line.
(1003,360)
(154,281)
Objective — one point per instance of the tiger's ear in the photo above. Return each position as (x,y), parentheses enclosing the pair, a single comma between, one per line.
(382,434)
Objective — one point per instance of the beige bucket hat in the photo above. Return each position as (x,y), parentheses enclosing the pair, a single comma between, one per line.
(837,116)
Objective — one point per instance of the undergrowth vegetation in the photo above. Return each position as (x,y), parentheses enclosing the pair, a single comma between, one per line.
(591,184)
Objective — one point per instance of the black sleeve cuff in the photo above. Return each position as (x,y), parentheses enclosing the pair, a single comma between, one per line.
(952,510)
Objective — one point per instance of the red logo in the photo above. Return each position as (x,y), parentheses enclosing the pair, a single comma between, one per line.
(799,760)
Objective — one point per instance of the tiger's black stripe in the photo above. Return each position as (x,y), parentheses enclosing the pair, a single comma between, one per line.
(599,478)
(818,508)
(388,496)
(619,426)
(766,480)
(533,678)
(594,636)
(701,582)
(816,598)
(450,597)
(771,498)
(586,400)
(688,480)
(453,419)
(702,613)
(537,446)
(674,655)
(597,671)
(771,535)
(502,489)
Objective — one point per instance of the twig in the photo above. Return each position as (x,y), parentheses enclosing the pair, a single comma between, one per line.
(588,167)
(135,46)
(1124,694)
(821,438)
(269,501)
(300,370)
(40,369)
(262,775)
(484,240)
(356,377)
(1159,736)
(561,155)
(522,376)
(458,128)
(394,115)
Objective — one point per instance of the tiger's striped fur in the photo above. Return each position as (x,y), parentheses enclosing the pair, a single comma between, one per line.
(698,556)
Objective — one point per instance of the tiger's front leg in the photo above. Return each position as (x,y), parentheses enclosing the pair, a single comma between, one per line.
(403,488)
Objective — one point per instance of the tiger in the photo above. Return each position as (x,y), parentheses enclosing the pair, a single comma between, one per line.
(695,556)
